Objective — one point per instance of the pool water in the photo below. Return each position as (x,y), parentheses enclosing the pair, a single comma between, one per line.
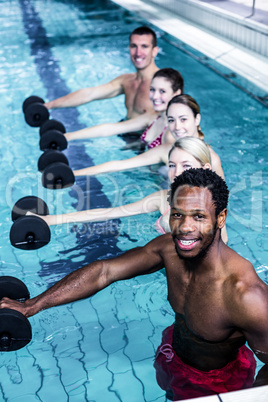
(102,349)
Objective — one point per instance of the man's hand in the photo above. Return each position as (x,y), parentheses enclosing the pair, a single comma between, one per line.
(14,305)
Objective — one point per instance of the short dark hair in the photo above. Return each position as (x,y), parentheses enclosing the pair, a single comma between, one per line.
(203,178)
(173,76)
(144,30)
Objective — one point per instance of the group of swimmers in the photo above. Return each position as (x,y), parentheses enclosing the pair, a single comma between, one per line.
(219,301)
(171,127)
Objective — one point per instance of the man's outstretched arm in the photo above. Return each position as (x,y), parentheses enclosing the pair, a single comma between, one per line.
(86,95)
(92,278)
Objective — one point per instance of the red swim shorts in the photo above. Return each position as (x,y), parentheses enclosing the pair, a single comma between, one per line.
(181,381)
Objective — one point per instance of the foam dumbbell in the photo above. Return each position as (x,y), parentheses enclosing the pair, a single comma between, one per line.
(53,139)
(15,329)
(57,175)
(51,136)
(52,124)
(29,232)
(51,156)
(35,112)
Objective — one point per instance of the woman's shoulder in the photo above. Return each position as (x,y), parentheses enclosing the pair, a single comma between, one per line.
(216,162)
(214,156)
(212,150)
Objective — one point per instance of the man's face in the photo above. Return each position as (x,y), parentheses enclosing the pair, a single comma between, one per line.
(141,50)
(192,221)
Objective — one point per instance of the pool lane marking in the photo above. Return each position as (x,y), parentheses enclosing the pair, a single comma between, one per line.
(49,72)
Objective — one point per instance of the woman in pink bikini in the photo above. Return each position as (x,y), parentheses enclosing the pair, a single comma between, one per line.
(166,83)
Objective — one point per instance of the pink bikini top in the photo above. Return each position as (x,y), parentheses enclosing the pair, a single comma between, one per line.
(158,225)
(157,141)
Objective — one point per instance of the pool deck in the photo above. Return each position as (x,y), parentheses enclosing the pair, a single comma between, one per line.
(243,8)
(248,64)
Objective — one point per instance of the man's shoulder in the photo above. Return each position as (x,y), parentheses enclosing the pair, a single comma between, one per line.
(235,262)
(245,292)
(122,79)
(241,274)
(127,77)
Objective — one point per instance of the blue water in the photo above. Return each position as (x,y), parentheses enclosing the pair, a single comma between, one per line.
(102,349)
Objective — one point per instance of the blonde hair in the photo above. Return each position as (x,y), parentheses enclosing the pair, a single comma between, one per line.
(195,146)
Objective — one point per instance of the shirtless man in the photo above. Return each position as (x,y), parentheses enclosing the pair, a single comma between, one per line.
(218,299)
(135,86)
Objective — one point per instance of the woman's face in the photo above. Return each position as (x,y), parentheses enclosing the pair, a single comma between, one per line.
(182,122)
(179,161)
(161,93)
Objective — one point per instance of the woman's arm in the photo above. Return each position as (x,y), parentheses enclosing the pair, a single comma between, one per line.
(108,129)
(153,156)
(148,204)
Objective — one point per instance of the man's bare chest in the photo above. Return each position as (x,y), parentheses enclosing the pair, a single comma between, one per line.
(137,96)
(203,305)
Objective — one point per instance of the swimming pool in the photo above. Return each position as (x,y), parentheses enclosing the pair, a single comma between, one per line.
(102,349)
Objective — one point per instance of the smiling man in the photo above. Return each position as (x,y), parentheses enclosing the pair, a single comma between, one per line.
(135,86)
(218,299)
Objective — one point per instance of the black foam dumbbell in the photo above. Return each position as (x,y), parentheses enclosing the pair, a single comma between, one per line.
(52,124)
(56,172)
(52,136)
(53,139)
(15,329)
(35,112)
(51,156)
(57,175)
(29,232)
